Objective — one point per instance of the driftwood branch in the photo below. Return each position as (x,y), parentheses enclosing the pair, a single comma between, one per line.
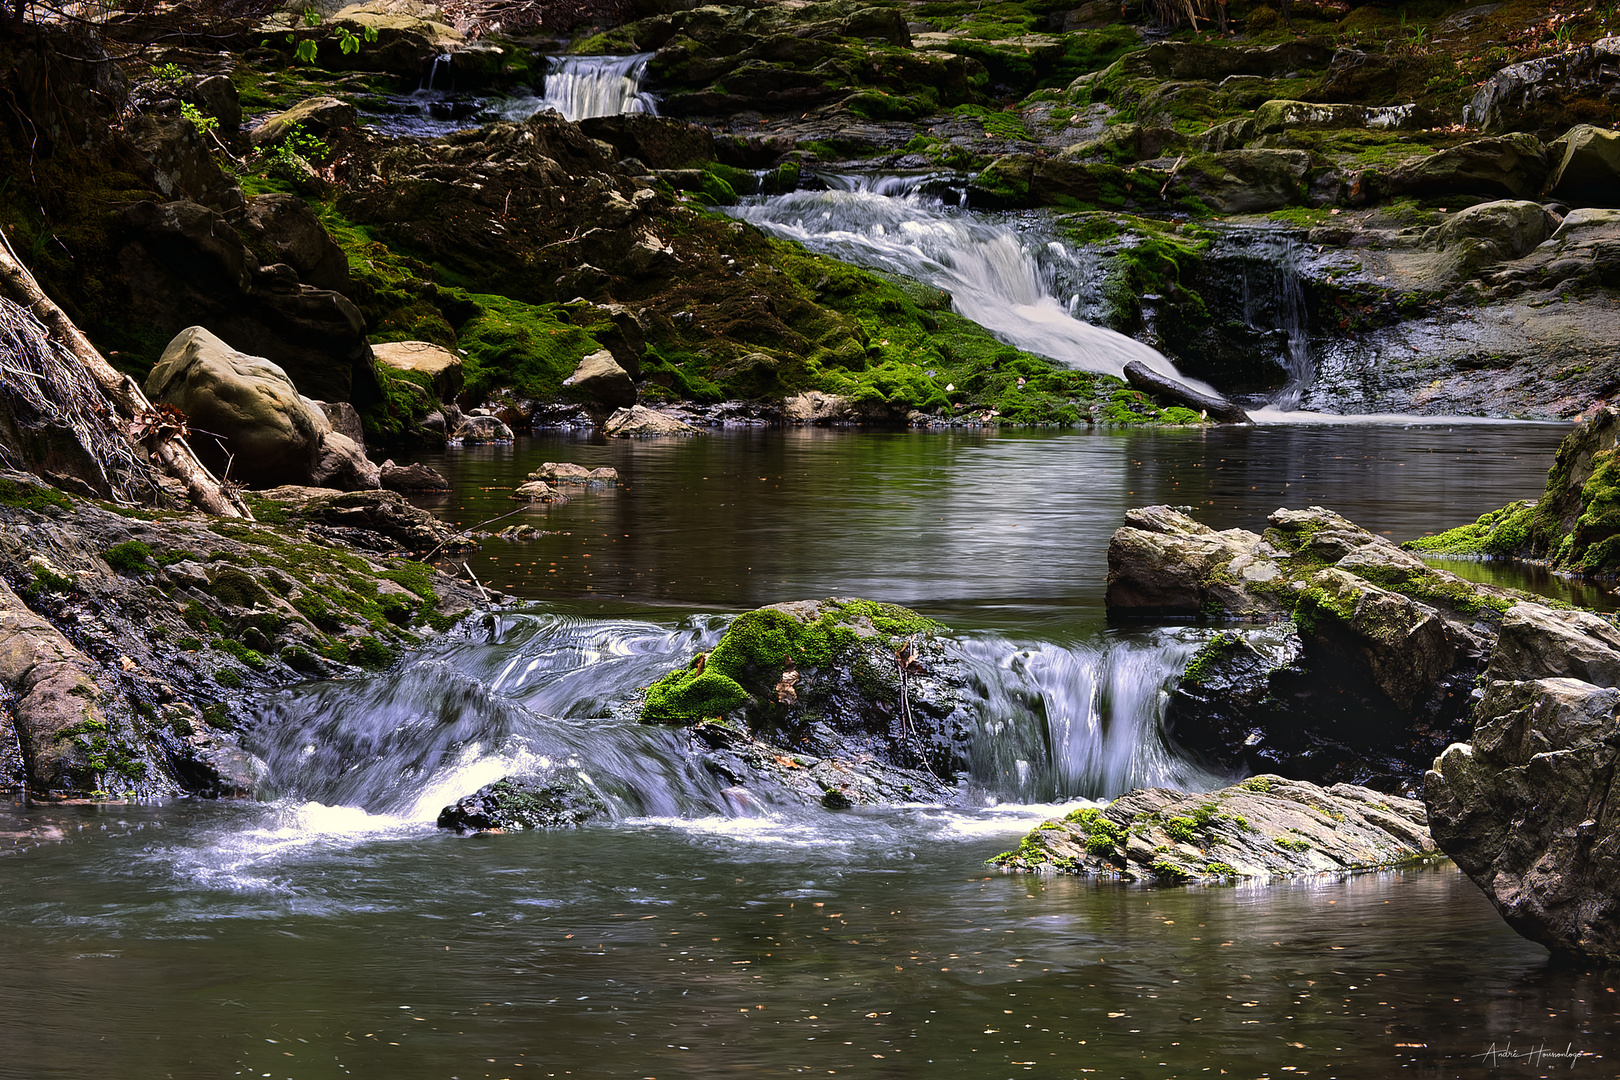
(174,456)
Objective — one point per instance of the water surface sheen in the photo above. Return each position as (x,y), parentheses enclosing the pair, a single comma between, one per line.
(1007,529)
(335,933)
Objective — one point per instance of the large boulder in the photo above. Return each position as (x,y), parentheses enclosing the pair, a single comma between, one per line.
(1524,807)
(1510,228)
(442,368)
(1365,683)
(287,231)
(182,162)
(264,432)
(638,421)
(1267,826)
(1509,165)
(658,142)
(1586,167)
(600,377)
(834,678)
(1550,93)
(1251,181)
(185,265)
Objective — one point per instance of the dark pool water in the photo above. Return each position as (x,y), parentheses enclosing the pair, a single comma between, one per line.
(306,939)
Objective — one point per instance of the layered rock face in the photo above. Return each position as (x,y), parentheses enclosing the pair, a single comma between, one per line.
(1267,826)
(1367,679)
(1525,808)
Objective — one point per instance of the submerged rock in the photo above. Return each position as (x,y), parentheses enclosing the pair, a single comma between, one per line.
(1525,808)
(1267,826)
(516,803)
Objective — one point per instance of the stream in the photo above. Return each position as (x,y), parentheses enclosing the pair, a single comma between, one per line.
(330,930)
(333,931)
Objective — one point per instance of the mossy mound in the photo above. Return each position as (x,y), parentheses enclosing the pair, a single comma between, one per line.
(833,678)
(1574,526)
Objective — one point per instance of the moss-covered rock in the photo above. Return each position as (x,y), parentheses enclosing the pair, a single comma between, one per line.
(833,677)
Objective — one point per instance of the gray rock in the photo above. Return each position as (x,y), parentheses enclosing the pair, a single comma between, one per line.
(1250,181)
(1546,94)
(1524,808)
(268,434)
(216,96)
(599,376)
(1511,165)
(1281,115)
(1265,827)
(1586,167)
(1511,227)
(411,478)
(516,803)
(638,421)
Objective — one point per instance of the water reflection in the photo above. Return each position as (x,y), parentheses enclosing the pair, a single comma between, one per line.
(1008,529)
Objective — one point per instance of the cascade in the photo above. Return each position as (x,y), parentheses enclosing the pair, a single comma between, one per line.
(537,697)
(580,87)
(444,60)
(993,276)
(1271,286)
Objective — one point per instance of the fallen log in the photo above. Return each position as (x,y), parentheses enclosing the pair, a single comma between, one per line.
(1216,408)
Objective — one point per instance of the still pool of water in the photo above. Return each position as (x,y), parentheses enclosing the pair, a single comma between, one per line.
(335,933)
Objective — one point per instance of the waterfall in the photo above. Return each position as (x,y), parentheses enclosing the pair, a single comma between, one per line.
(1274,299)
(433,73)
(993,276)
(541,695)
(580,87)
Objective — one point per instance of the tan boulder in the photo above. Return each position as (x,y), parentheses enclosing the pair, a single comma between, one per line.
(439,364)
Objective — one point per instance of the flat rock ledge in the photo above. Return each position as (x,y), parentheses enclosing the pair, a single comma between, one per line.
(1265,827)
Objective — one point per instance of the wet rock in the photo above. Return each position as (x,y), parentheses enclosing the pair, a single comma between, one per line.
(409,37)
(216,96)
(1548,94)
(638,421)
(1586,167)
(1267,826)
(1511,165)
(537,491)
(757,770)
(1370,680)
(483,429)
(518,803)
(560,472)
(846,679)
(414,478)
(344,420)
(599,376)
(1523,807)
(1190,60)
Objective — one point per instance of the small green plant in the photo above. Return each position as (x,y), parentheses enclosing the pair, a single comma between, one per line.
(1165,870)
(1256,783)
(1290,844)
(199,119)
(296,153)
(130,557)
(312,18)
(1181,829)
(1220,869)
(169,75)
(349,42)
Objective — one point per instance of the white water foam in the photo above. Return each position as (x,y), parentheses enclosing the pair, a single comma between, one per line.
(580,87)
(993,276)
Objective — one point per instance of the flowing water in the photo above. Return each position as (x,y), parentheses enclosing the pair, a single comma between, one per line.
(331,931)
(580,87)
(996,276)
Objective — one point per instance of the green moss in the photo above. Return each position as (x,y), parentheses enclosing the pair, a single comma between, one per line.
(1220,869)
(530,348)
(1256,783)
(35,497)
(1181,829)
(1290,844)
(1167,871)
(250,657)
(130,557)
